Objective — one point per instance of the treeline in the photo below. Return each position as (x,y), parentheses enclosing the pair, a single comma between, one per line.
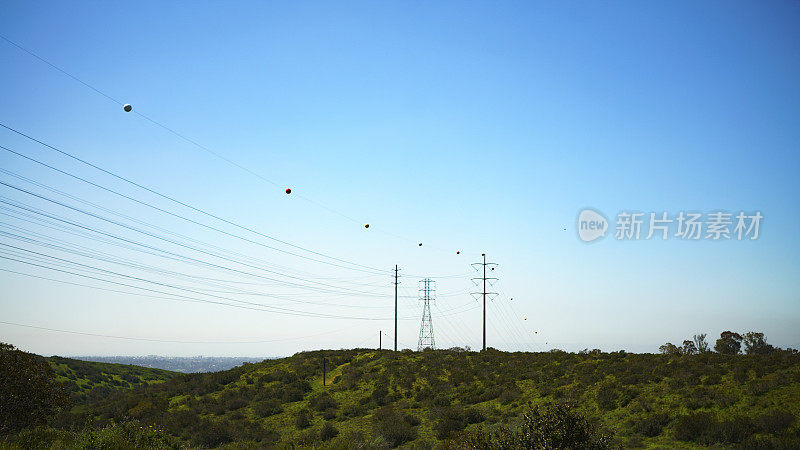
(729,343)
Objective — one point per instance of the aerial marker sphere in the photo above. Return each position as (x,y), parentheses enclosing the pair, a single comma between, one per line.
(458,253)
(288,190)
(366,225)
(127,107)
(420,244)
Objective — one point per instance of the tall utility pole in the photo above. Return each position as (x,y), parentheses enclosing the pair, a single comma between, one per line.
(380,344)
(395,306)
(483,293)
(426,339)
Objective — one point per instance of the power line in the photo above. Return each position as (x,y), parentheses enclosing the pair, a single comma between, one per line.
(246,304)
(100,256)
(149,205)
(105,219)
(201,211)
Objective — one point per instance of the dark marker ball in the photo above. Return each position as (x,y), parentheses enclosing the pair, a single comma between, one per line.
(288,190)
(127,107)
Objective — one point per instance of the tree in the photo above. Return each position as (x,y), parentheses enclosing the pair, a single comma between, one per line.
(701,343)
(688,347)
(729,343)
(29,394)
(669,349)
(756,344)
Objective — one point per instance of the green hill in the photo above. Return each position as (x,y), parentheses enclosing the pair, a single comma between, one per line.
(423,399)
(88,381)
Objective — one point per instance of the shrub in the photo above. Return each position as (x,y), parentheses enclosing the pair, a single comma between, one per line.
(327,432)
(606,398)
(412,420)
(734,430)
(213,434)
(550,428)
(775,421)
(303,419)
(322,402)
(354,411)
(235,403)
(698,427)
(267,408)
(388,424)
(652,425)
(379,395)
(441,401)
(509,394)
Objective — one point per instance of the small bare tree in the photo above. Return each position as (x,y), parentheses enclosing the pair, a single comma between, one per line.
(700,343)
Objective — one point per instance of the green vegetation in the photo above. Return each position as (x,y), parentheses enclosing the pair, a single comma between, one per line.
(459,399)
(90,381)
(29,395)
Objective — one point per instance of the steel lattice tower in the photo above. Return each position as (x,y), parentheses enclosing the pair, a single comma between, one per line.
(426,340)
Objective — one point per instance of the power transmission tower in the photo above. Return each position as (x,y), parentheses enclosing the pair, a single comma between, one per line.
(491,280)
(426,340)
(395,306)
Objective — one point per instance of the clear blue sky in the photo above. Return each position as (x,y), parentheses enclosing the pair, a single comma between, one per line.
(469,126)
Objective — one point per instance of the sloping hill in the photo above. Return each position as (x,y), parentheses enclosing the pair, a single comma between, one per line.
(421,399)
(88,381)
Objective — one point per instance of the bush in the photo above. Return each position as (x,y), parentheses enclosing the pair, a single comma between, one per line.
(327,432)
(451,420)
(412,420)
(606,398)
(734,430)
(267,408)
(774,422)
(322,402)
(379,395)
(652,425)
(235,403)
(213,434)
(697,427)
(550,428)
(388,424)
(303,419)
(509,395)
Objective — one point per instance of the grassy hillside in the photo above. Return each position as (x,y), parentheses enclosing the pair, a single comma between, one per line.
(88,381)
(422,399)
